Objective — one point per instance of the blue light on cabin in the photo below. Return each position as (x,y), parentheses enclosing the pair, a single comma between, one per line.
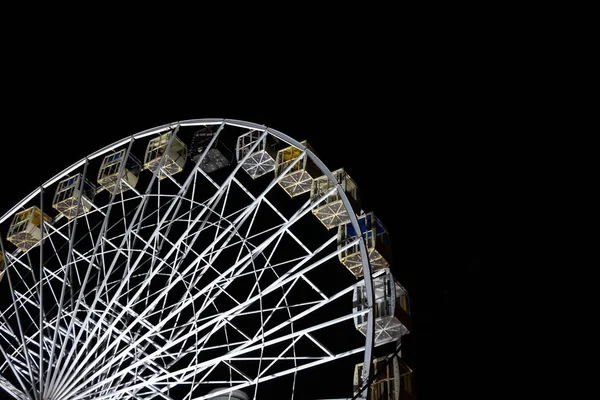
(114,157)
(70,182)
(366,226)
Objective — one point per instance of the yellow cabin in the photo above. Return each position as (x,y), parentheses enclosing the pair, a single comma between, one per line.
(25,230)
(299,178)
(331,211)
(174,159)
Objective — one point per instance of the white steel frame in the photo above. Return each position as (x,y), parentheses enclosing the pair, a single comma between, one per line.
(89,325)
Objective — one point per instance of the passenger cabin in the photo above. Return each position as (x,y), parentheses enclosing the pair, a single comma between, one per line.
(332,212)
(217,157)
(2,266)
(108,176)
(67,195)
(377,241)
(262,159)
(392,379)
(299,178)
(173,158)
(25,230)
(391,308)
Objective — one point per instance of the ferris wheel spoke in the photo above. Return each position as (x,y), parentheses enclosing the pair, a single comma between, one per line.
(308,311)
(272,207)
(220,318)
(41,308)
(220,235)
(241,373)
(275,359)
(133,267)
(198,352)
(188,372)
(280,374)
(285,293)
(21,367)
(62,370)
(112,266)
(281,265)
(29,358)
(222,213)
(31,292)
(262,324)
(304,210)
(7,340)
(247,260)
(293,279)
(202,341)
(301,244)
(79,256)
(11,389)
(192,178)
(243,247)
(130,350)
(255,203)
(129,251)
(62,268)
(257,344)
(276,308)
(153,367)
(139,291)
(63,331)
(188,248)
(22,301)
(21,370)
(223,324)
(319,344)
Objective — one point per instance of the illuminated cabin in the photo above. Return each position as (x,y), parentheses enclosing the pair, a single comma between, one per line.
(262,159)
(68,192)
(234,395)
(25,230)
(300,178)
(331,211)
(393,379)
(174,160)
(219,156)
(377,241)
(391,308)
(2,265)
(108,176)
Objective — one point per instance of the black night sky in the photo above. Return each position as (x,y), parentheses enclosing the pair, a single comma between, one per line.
(422,145)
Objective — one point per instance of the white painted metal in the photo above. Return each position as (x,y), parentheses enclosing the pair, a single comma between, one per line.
(131,298)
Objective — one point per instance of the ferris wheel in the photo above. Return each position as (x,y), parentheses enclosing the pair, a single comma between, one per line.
(203,259)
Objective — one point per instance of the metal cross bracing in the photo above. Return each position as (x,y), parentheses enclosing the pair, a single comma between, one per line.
(175,286)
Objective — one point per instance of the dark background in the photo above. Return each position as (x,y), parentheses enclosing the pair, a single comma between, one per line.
(424,142)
